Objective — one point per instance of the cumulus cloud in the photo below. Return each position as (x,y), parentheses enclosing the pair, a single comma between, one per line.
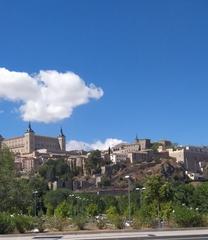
(47,96)
(79,145)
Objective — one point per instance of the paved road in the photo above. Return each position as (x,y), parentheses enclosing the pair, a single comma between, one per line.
(139,235)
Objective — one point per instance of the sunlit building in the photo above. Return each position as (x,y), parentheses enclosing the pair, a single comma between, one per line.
(31,142)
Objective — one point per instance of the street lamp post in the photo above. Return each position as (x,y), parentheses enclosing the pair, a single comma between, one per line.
(35,195)
(140,194)
(81,204)
(129,196)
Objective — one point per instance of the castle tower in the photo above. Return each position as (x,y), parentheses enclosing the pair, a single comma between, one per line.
(136,139)
(62,140)
(29,139)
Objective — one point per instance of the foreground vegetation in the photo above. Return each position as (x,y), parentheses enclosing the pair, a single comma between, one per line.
(27,204)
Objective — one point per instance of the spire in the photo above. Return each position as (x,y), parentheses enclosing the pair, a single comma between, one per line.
(61,133)
(29,129)
(136,138)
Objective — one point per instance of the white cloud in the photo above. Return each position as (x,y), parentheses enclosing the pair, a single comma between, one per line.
(48,96)
(79,145)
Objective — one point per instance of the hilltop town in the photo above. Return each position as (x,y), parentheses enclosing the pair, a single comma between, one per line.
(140,159)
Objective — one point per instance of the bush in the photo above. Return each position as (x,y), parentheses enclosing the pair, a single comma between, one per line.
(118,221)
(80,222)
(6,223)
(92,209)
(101,224)
(115,218)
(185,217)
(23,223)
(64,209)
(53,198)
(147,216)
(137,224)
(58,223)
(39,223)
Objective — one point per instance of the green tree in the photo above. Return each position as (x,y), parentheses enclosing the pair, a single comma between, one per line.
(92,209)
(56,169)
(20,197)
(64,209)
(184,194)
(146,215)
(115,218)
(53,198)
(158,191)
(93,163)
(186,217)
(7,167)
(200,197)
(110,201)
(15,194)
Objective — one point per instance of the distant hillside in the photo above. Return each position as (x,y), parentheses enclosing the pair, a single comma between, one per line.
(138,172)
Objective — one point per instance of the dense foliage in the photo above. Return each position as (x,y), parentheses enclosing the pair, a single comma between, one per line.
(57,169)
(26,203)
(94,162)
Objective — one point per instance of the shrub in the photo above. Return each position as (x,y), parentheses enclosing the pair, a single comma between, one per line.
(115,218)
(6,223)
(146,216)
(53,198)
(101,224)
(118,221)
(64,209)
(137,224)
(92,209)
(23,223)
(80,222)
(56,222)
(39,223)
(185,217)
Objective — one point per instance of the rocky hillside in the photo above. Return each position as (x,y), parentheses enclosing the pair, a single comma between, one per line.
(138,172)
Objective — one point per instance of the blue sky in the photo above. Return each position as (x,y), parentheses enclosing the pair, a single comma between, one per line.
(149,57)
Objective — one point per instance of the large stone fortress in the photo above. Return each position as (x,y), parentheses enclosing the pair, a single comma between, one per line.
(30,142)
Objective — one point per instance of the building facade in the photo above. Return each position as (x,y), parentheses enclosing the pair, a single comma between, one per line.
(30,142)
(191,156)
(137,146)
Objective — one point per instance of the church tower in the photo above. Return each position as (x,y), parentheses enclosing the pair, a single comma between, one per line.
(62,140)
(136,139)
(29,139)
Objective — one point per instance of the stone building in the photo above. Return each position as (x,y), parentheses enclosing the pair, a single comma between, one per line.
(30,164)
(146,156)
(138,151)
(118,157)
(136,146)
(77,161)
(192,157)
(30,142)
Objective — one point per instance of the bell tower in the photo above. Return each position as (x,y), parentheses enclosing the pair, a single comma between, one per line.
(29,139)
(62,140)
